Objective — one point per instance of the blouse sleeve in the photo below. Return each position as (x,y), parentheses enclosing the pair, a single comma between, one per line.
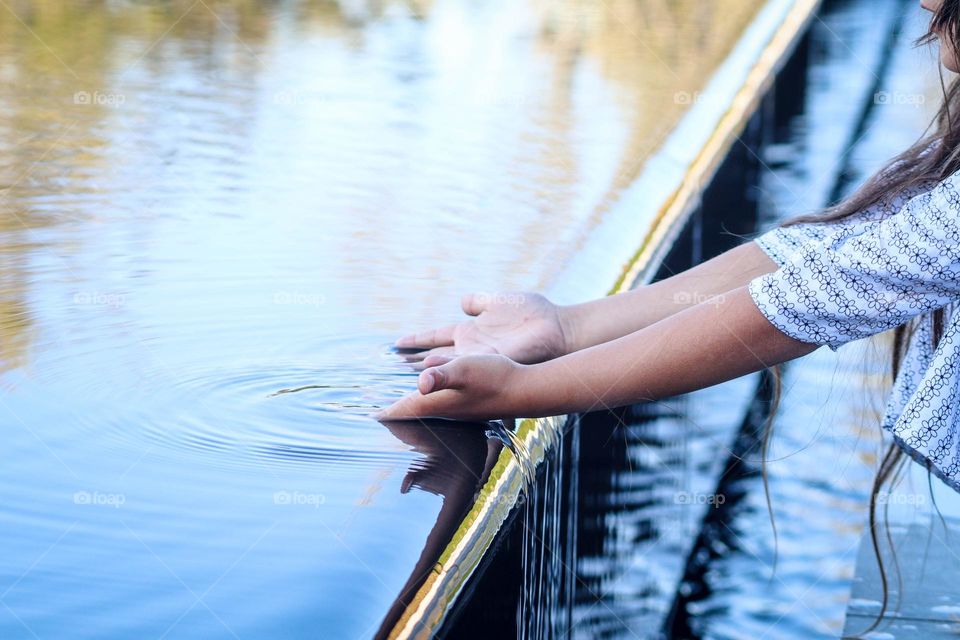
(853,284)
(780,243)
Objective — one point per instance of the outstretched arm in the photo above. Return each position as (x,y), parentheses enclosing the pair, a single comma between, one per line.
(701,346)
(529,328)
(606,319)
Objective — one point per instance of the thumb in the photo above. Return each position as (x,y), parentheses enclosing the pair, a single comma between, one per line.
(473,304)
(446,376)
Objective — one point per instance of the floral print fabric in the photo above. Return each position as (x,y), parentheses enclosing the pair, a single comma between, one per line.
(891,264)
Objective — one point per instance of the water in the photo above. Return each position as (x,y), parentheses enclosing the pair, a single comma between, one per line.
(216,217)
(648,477)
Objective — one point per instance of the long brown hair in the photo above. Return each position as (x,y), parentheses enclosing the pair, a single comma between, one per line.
(931,159)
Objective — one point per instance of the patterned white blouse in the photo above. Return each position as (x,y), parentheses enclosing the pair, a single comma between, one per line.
(893,263)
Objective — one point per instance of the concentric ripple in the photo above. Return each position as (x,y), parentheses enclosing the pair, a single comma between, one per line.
(265,414)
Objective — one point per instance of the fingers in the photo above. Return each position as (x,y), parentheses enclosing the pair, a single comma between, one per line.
(406,408)
(437,359)
(418,359)
(443,373)
(442,337)
(420,356)
(473,304)
(415,406)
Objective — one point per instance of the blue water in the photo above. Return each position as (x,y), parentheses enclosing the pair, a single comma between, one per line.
(217,216)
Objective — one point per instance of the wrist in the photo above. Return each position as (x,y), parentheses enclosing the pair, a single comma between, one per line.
(526,394)
(540,390)
(569,318)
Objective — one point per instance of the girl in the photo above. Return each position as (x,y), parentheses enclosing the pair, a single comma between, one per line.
(886,258)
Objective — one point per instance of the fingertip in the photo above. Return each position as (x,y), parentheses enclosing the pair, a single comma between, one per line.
(404,342)
(468,304)
(427,381)
(436,360)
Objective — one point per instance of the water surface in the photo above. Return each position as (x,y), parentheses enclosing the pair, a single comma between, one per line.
(216,217)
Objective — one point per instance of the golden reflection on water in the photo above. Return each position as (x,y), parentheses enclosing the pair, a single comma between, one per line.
(207,202)
(83,137)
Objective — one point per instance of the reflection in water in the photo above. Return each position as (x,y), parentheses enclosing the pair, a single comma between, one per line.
(458,461)
(205,204)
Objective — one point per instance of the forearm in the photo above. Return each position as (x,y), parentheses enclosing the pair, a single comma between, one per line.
(599,321)
(696,348)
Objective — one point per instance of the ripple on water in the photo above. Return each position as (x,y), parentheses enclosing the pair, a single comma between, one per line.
(263,414)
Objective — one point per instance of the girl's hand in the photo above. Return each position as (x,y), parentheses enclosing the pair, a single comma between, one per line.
(480,387)
(525,327)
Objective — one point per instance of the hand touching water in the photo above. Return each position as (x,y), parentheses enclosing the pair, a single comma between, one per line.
(474,387)
(525,327)
(704,345)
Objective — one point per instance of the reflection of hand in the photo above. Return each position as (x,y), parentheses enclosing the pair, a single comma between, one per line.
(525,327)
(484,387)
(458,460)
(456,456)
